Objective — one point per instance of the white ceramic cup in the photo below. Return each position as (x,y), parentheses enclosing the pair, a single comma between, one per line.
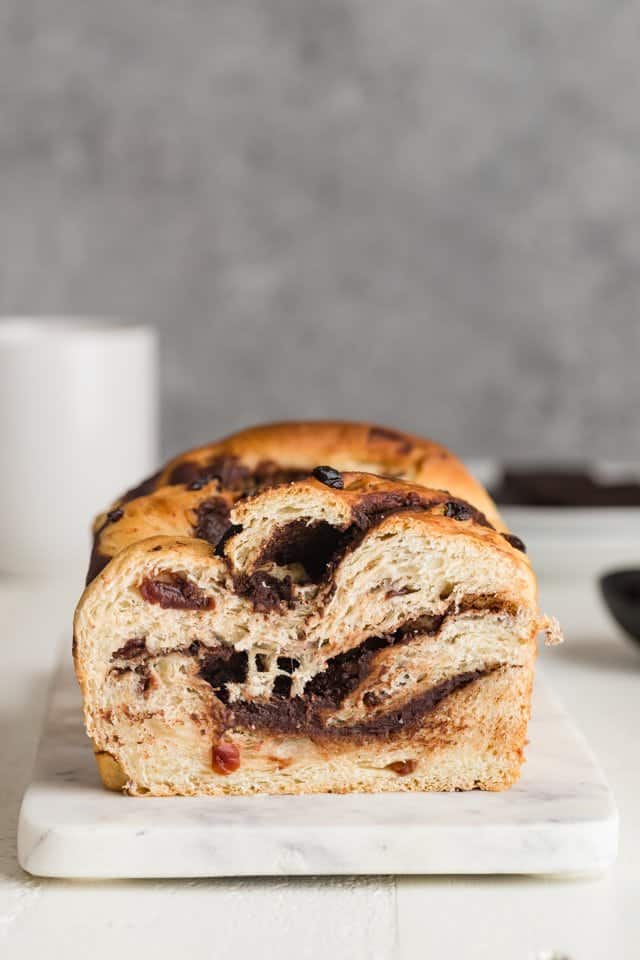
(78,426)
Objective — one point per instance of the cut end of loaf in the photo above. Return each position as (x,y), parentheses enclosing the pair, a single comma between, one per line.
(372,636)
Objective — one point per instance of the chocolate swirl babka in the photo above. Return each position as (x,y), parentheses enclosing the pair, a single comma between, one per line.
(256,622)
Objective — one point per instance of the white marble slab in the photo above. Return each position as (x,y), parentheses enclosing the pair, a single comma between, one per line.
(559,819)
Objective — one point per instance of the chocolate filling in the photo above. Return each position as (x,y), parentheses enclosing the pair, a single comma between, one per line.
(515,541)
(265,593)
(229,470)
(132,648)
(327,690)
(329,476)
(319,546)
(458,510)
(234,474)
(378,504)
(282,686)
(288,664)
(222,666)
(313,545)
(323,693)
(231,530)
(409,715)
(461,510)
(172,591)
(303,714)
(213,520)
(343,673)
(267,473)
(131,651)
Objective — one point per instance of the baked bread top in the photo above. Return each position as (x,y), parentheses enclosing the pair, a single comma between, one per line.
(194,493)
(281,612)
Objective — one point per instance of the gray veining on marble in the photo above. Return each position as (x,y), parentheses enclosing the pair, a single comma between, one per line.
(560,818)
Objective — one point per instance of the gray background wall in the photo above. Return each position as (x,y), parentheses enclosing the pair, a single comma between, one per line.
(421,212)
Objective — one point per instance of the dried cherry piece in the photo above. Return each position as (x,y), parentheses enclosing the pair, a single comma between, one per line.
(225,757)
(174,592)
(402,767)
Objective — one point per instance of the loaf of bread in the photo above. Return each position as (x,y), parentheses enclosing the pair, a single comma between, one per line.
(308,607)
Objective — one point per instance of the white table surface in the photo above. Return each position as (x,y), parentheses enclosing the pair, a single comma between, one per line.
(596,674)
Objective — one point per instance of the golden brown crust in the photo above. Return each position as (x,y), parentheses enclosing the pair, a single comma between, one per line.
(111,773)
(277,452)
(344,445)
(169,510)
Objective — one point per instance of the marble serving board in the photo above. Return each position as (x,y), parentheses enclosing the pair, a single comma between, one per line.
(559,818)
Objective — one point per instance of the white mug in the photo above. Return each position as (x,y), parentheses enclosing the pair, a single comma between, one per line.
(78,426)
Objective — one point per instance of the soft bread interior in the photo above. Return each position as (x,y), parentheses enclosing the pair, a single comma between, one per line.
(473,740)
(405,645)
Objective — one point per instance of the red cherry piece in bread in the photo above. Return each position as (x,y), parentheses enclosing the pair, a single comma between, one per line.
(226,757)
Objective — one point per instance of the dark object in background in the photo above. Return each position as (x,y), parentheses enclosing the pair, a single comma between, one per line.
(621,593)
(536,487)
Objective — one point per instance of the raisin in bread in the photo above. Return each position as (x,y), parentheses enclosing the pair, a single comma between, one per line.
(342,632)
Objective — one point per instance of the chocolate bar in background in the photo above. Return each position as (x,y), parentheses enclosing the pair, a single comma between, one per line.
(573,486)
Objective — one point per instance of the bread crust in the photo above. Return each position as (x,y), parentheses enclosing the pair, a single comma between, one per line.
(312,572)
(366,447)
(167,505)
